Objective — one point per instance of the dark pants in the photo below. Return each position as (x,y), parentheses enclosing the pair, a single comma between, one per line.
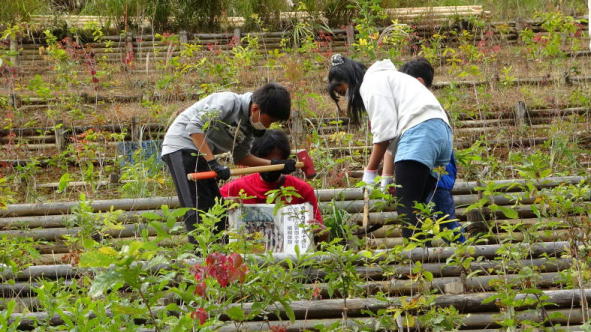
(193,194)
(416,184)
(444,204)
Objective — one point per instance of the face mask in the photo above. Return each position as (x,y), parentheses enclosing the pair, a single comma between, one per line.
(258,125)
(271,176)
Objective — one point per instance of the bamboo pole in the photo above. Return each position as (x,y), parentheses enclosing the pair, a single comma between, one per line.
(55,234)
(541,236)
(60,220)
(369,272)
(425,255)
(14,210)
(563,316)
(20,226)
(306,311)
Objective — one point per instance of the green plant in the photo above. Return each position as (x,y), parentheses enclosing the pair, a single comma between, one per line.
(144,177)
(92,227)
(433,47)
(523,281)
(6,194)
(336,221)
(26,177)
(507,79)
(560,30)
(21,11)
(17,254)
(369,14)
(128,14)
(490,190)
(8,321)
(340,271)
(441,319)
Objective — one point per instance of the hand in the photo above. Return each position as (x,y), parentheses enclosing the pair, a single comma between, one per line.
(386,184)
(290,165)
(369,176)
(222,171)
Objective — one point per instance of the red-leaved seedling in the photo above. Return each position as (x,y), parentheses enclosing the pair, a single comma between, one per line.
(201,315)
(225,269)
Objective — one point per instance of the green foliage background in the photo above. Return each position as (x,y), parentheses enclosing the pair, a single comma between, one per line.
(207,14)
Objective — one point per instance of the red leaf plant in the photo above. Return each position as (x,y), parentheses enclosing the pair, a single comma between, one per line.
(225,269)
(201,315)
(277,328)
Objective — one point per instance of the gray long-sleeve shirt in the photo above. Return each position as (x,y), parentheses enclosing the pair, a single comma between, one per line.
(224,119)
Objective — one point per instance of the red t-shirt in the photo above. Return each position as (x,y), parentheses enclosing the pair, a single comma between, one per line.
(253,185)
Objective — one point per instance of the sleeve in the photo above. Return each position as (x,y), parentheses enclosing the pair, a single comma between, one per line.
(212,108)
(309,196)
(225,190)
(383,114)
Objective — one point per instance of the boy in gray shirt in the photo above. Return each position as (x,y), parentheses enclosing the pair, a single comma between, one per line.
(221,122)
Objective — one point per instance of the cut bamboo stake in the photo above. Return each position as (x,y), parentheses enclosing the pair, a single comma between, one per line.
(365,221)
(60,136)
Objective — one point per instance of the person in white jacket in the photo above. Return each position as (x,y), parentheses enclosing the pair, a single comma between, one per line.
(405,118)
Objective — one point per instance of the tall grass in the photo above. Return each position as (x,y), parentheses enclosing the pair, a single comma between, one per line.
(502,9)
(15,11)
(206,14)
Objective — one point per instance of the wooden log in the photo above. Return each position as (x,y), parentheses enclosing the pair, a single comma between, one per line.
(52,221)
(60,136)
(129,204)
(465,303)
(54,271)
(563,316)
(474,284)
(28,139)
(46,272)
(350,31)
(41,209)
(543,236)
(309,312)
(56,234)
(526,223)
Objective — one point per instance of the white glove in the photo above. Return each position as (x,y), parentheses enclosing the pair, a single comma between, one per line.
(369,176)
(386,180)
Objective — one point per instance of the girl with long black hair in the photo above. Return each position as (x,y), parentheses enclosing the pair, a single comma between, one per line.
(405,118)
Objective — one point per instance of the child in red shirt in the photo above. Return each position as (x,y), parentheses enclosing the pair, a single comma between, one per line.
(274,144)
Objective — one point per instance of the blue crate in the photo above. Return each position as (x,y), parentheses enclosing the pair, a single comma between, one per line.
(149,148)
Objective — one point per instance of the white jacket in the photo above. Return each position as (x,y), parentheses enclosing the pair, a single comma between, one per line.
(396,102)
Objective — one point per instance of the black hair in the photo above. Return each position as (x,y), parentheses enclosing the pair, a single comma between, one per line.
(350,72)
(274,100)
(271,140)
(419,67)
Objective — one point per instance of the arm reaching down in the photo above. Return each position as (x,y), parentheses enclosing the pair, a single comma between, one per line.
(202,146)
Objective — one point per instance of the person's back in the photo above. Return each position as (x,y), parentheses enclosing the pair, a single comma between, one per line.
(407,99)
(442,196)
